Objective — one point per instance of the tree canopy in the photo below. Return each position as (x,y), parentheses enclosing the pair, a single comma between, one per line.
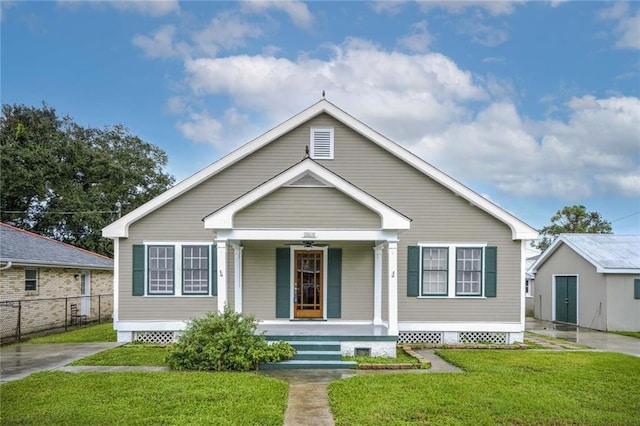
(67,181)
(573,220)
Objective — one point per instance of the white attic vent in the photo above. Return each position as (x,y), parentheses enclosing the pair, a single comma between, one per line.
(321,145)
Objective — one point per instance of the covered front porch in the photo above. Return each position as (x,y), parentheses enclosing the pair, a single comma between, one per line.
(310,255)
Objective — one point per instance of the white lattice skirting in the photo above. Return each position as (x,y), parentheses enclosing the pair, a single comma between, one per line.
(156,337)
(436,337)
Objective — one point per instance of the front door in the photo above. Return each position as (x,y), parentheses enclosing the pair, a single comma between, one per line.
(308,284)
(566,299)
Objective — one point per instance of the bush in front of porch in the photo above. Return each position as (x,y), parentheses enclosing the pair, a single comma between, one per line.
(224,341)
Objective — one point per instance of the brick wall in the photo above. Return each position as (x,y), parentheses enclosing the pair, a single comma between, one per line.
(39,311)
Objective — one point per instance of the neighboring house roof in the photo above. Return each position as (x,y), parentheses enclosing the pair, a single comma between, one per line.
(25,248)
(613,254)
(520,230)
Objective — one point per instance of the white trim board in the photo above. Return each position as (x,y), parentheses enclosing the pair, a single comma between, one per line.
(223,217)
(519,229)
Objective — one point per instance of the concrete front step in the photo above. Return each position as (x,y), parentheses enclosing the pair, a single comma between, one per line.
(318,355)
(307,364)
(315,346)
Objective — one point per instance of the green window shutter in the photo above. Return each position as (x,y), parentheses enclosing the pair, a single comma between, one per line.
(214,270)
(490,271)
(413,271)
(283,282)
(137,280)
(334,283)
(636,289)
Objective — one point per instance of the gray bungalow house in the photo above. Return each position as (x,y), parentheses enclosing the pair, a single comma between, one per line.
(590,280)
(323,228)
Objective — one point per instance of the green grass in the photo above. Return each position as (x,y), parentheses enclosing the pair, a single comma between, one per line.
(635,334)
(93,333)
(58,398)
(133,355)
(499,387)
(401,358)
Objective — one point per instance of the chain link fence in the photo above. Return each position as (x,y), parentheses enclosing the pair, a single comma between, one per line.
(27,317)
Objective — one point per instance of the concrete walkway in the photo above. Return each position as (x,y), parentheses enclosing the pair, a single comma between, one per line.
(594,339)
(308,403)
(20,360)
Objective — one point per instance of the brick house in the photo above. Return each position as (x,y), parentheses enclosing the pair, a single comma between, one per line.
(41,278)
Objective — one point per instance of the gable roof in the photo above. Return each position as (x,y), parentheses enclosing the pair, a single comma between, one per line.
(390,218)
(612,254)
(519,229)
(25,248)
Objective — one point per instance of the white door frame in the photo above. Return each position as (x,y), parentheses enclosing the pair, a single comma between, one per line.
(85,290)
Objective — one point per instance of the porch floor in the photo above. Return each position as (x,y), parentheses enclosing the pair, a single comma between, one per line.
(317,328)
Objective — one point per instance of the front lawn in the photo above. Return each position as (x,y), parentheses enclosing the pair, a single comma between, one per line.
(401,358)
(499,387)
(57,398)
(90,334)
(128,355)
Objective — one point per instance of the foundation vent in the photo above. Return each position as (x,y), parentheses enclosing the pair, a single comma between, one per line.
(483,337)
(156,337)
(420,337)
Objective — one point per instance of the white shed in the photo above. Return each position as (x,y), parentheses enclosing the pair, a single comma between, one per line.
(590,280)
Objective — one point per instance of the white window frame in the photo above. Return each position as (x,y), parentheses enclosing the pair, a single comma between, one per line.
(35,280)
(480,291)
(173,269)
(208,269)
(452,270)
(312,143)
(423,292)
(178,276)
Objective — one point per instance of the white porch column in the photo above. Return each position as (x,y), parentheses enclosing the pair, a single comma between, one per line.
(392,329)
(377,285)
(222,274)
(237,274)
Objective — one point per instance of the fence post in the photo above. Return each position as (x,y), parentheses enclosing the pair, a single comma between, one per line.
(99,305)
(19,325)
(66,313)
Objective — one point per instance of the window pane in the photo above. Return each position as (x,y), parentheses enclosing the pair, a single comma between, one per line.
(195,269)
(160,270)
(434,270)
(469,271)
(30,279)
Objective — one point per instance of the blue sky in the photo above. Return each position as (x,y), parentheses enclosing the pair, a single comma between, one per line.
(535,105)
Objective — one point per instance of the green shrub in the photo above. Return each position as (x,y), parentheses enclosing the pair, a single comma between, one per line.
(224,342)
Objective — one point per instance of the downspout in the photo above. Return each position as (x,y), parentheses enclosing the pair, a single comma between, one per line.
(5,267)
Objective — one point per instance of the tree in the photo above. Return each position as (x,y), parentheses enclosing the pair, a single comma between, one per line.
(573,220)
(66,181)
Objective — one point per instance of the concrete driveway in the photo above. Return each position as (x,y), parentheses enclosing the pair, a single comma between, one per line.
(599,340)
(20,360)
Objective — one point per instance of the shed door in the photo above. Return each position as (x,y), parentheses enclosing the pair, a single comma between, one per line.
(308,284)
(566,299)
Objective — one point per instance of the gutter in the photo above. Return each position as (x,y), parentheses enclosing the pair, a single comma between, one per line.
(7,266)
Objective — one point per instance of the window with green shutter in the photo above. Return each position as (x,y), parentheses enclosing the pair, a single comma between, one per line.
(430,274)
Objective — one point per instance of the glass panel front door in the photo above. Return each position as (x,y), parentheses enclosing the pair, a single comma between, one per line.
(308,284)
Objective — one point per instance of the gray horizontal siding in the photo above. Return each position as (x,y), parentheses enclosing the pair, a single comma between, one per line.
(303,207)
(437,215)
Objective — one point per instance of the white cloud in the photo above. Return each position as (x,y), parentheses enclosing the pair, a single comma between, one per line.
(482,33)
(360,76)
(627,25)
(418,40)
(297,11)
(595,151)
(153,8)
(161,43)
(458,6)
(201,127)
(225,31)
